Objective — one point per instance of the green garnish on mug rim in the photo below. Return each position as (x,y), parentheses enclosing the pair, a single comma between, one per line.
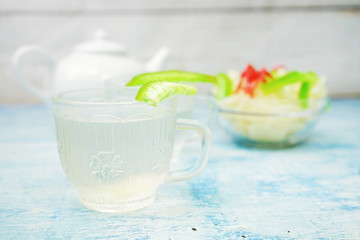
(155,91)
(160,85)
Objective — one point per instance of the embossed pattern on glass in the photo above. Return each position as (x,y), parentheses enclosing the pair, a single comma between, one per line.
(106,166)
(116,151)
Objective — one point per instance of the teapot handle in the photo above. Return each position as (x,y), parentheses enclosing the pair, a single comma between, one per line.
(42,94)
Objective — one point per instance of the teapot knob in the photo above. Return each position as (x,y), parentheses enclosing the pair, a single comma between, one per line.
(100,44)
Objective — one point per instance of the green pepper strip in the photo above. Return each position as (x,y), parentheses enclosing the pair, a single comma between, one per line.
(223,86)
(304,94)
(308,80)
(155,91)
(171,76)
(222,82)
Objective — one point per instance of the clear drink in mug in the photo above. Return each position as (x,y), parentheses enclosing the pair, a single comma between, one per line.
(115,150)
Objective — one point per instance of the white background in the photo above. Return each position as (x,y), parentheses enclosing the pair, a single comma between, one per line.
(204,35)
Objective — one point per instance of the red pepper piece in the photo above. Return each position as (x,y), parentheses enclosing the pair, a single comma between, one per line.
(251,78)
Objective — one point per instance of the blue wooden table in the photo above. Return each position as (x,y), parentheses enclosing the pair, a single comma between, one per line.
(311,191)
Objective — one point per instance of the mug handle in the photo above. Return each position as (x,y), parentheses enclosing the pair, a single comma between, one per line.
(16,69)
(199,164)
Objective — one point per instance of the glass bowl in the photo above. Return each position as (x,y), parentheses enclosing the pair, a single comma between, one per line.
(271,124)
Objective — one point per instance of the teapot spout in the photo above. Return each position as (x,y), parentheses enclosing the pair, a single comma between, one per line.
(158,61)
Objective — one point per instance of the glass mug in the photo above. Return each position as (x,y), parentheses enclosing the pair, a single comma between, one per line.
(115,150)
(184,109)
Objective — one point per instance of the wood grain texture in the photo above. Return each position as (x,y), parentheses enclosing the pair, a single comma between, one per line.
(304,38)
(307,192)
(98,5)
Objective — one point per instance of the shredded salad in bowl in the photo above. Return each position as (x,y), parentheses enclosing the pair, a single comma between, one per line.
(274,106)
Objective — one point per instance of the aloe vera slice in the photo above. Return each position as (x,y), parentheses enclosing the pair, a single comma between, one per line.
(156,91)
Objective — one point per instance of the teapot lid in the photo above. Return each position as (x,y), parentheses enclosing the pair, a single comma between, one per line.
(100,44)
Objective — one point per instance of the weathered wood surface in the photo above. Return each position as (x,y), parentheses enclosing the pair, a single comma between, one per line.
(208,36)
(98,5)
(307,192)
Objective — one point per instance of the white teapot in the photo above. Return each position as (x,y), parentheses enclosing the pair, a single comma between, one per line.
(92,64)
